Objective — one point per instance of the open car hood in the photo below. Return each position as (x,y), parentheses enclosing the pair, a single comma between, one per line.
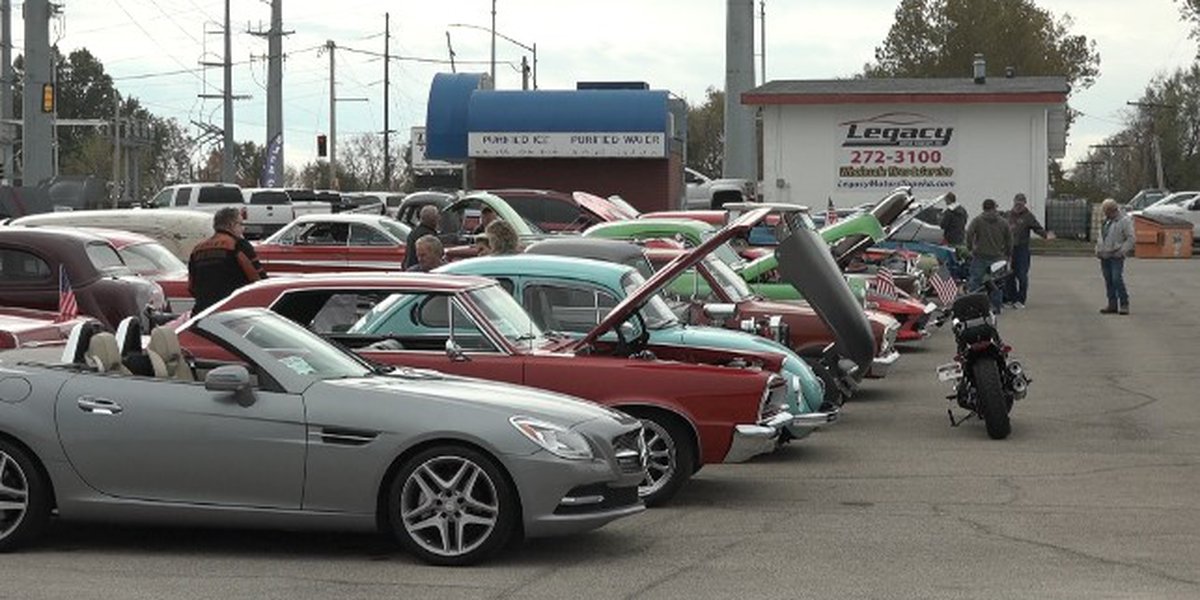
(602,209)
(805,262)
(664,276)
(886,212)
(502,208)
(864,225)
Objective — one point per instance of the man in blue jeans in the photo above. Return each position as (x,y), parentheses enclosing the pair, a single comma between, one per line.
(989,239)
(1023,223)
(1115,243)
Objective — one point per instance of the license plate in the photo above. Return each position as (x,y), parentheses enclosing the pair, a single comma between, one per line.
(950,372)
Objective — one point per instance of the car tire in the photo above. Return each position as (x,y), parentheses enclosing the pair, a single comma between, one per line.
(452,505)
(672,456)
(24,498)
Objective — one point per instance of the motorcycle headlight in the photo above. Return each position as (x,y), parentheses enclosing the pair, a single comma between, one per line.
(556,439)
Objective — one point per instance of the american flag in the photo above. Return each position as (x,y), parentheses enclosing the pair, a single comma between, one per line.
(67,308)
(885,282)
(830,214)
(944,286)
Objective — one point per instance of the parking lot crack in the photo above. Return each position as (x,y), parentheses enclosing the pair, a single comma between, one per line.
(988,531)
(676,573)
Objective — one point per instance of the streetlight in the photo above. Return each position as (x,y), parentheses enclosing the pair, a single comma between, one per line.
(497,34)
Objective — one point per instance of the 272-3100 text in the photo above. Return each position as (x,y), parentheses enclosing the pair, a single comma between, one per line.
(897,157)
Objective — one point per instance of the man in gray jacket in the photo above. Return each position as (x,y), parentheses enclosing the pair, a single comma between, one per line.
(990,240)
(1115,243)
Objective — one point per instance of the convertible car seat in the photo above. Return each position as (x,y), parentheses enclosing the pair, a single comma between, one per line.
(78,340)
(104,355)
(129,341)
(166,356)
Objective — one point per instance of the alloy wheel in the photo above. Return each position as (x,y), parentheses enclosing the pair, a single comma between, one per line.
(14,495)
(449,505)
(660,453)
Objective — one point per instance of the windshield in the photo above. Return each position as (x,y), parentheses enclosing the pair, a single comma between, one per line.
(727,279)
(655,311)
(1177,199)
(296,348)
(105,259)
(505,314)
(724,252)
(396,228)
(152,259)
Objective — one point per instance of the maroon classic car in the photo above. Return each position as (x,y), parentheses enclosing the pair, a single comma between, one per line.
(26,327)
(556,212)
(717,407)
(150,259)
(323,243)
(105,288)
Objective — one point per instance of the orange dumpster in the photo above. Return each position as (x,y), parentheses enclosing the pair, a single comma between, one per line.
(1159,236)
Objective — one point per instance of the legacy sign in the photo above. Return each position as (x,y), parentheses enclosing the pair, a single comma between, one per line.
(889,150)
(558,144)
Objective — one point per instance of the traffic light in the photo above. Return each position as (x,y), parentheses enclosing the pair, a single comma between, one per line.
(47,97)
(322,146)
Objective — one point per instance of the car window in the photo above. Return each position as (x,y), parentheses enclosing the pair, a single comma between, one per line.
(296,349)
(104,257)
(151,259)
(562,308)
(398,230)
(560,213)
(324,234)
(531,209)
(272,198)
(161,199)
(327,311)
(17,266)
(220,195)
(181,196)
(422,322)
(365,235)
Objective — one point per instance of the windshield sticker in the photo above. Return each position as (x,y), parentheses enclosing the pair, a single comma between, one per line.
(298,364)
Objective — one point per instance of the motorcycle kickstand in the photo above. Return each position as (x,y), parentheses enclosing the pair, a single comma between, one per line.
(953,423)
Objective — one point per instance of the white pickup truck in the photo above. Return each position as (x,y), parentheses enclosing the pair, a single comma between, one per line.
(263,210)
(707,193)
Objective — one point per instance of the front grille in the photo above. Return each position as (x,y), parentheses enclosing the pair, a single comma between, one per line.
(612,497)
(630,451)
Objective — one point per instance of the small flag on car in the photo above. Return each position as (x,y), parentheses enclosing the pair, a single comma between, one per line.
(830,214)
(944,286)
(67,307)
(885,282)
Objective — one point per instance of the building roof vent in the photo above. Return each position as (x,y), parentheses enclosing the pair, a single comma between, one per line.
(980,69)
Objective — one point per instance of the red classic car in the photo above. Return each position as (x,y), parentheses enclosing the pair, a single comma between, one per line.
(718,406)
(335,242)
(26,327)
(105,288)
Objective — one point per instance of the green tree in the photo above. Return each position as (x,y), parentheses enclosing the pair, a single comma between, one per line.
(939,38)
(248,160)
(1191,12)
(315,175)
(706,134)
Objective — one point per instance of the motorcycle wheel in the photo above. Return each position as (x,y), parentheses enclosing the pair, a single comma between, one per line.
(989,396)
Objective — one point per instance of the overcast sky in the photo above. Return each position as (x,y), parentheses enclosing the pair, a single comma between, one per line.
(676,45)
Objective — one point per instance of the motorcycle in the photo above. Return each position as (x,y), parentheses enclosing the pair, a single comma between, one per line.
(986,380)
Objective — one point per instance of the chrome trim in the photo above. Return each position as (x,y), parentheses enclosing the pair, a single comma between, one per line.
(580,500)
(750,441)
(882,363)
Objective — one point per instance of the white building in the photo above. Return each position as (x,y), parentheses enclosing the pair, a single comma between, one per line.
(855,140)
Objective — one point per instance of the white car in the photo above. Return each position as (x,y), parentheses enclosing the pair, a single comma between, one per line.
(267,211)
(1181,205)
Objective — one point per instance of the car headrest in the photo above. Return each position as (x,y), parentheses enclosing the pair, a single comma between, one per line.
(103,353)
(78,340)
(165,343)
(129,336)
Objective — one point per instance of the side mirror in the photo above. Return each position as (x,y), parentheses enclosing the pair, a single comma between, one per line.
(455,352)
(720,312)
(228,378)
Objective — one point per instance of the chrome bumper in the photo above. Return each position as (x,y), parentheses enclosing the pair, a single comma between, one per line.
(804,424)
(882,364)
(751,440)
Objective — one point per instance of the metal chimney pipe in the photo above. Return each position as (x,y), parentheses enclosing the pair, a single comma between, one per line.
(980,69)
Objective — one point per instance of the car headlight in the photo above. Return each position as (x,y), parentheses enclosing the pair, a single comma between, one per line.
(556,439)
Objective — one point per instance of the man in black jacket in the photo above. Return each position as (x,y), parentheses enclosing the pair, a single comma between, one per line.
(428,222)
(223,263)
(954,221)
(1023,223)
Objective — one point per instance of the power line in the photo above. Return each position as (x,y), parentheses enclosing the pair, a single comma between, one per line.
(156,43)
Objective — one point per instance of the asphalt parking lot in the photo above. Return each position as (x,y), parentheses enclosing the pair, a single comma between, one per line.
(1095,494)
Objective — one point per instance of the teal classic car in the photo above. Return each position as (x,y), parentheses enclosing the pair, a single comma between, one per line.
(573,295)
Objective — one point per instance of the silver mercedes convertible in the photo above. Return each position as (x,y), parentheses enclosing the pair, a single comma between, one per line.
(299,433)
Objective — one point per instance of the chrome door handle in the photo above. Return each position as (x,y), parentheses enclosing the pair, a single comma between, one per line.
(98,406)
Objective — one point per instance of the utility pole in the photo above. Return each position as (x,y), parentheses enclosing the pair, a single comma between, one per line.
(37,132)
(329,45)
(7,137)
(740,155)
(1155,148)
(118,184)
(524,73)
(450,48)
(387,154)
(274,35)
(227,172)
(493,44)
(762,56)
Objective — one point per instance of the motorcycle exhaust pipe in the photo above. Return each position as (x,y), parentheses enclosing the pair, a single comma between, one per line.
(1015,369)
(1019,388)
